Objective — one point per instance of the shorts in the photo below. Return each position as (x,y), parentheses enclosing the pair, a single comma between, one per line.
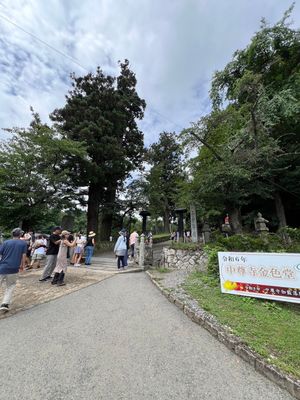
(38,256)
(78,250)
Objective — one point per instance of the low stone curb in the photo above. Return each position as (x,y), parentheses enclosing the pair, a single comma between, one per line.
(233,342)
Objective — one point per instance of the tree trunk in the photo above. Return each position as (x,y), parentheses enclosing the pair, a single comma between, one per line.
(166,221)
(280,210)
(93,208)
(235,220)
(106,217)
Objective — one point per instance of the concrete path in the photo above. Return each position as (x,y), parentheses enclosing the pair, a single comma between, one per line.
(107,261)
(120,339)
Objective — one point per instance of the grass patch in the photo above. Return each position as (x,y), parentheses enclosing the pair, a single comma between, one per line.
(272,329)
(163,270)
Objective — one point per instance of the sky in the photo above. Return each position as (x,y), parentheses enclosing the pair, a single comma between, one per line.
(174,47)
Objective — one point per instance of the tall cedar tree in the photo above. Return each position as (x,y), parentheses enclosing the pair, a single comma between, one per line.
(166,173)
(101,111)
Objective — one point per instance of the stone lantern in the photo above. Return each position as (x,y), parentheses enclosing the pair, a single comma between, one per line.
(260,224)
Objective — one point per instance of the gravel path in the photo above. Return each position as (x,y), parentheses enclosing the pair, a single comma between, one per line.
(120,339)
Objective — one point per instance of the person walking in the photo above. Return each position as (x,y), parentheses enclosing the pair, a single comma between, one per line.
(120,249)
(51,254)
(62,260)
(132,242)
(79,249)
(13,259)
(89,247)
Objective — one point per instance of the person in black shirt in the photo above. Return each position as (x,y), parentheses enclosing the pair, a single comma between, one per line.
(89,247)
(51,254)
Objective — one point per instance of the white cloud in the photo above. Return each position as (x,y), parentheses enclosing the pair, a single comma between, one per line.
(174,46)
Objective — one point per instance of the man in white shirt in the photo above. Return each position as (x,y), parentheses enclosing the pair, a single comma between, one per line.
(132,242)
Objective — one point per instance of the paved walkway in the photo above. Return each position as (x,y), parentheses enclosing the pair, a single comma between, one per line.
(120,339)
(30,292)
(107,261)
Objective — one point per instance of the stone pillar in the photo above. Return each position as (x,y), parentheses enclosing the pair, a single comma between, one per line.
(194,225)
(142,252)
(137,251)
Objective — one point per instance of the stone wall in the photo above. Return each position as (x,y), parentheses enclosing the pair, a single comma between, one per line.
(187,260)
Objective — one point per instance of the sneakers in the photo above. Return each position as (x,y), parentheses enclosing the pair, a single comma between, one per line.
(4,307)
(61,284)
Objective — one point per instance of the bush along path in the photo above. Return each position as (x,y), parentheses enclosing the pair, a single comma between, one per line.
(264,334)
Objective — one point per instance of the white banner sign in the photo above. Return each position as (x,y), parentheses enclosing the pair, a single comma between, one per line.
(272,276)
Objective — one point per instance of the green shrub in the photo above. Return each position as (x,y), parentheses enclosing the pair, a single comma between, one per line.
(185,246)
(162,237)
(212,254)
(253,243)
(293,233)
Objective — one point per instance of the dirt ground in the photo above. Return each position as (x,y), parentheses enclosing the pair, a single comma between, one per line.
(30,292)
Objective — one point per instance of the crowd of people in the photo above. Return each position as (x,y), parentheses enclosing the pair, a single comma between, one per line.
(26,251)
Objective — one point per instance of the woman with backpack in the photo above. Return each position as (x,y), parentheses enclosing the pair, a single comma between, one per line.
(120,249)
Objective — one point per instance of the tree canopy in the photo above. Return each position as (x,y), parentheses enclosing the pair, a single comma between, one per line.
(249,145)
(101,111)
(34,178)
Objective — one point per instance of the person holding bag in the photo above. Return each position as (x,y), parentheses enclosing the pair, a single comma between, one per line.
(120,249)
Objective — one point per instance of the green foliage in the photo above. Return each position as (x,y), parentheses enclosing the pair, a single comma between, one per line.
(163,270)
(251,243)
(161,237)
(249,152)
(293,233)
(34,177)
(101,111)
(164,177)
(212,255)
